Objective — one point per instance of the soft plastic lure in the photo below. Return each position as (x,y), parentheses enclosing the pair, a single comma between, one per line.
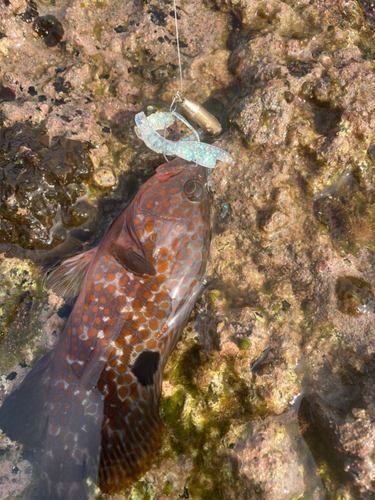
(200,153)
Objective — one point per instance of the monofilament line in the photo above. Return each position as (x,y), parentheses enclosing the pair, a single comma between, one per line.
(178,42)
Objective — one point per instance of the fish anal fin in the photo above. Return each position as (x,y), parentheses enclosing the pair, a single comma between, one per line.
(66,279)
(132,261)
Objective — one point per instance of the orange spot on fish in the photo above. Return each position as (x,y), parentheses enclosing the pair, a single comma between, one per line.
(121,369)
(123,391)
(98,276)
(174,190)
(134,325)
(91,297)
(177,212)
(151,344)
(176,200)
(145,334)
(136,221)
(147,295)
(149,226)
(85,306)
(160,314)
(150,205)
(97,320)
(180,255)
(110,276)
(125,358)
(103,300)
(153,324)
(163,192)
(148,247)
(111,289)
(139,348)
(85,318)
(137,304)
(98,287)
(124,281)
(162,267)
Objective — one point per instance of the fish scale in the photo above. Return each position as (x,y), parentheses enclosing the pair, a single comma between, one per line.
(101,384)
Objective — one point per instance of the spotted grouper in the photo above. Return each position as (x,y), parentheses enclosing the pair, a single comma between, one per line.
(93,401)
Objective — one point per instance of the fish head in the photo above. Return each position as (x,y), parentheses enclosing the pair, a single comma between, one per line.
(178,191)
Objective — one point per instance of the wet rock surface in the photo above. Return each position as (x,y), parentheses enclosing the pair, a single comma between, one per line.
(270,393)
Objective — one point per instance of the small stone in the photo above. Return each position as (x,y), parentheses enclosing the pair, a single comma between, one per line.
(104,177)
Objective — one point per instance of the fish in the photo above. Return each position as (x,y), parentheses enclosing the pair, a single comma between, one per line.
(93,400)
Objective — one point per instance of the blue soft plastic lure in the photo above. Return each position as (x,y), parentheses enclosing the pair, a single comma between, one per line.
(190,150)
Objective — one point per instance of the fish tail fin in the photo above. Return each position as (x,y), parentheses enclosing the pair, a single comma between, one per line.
(130,442)
(67,491)
(22,415)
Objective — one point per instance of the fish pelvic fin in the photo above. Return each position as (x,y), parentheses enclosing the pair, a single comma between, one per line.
(22,414)
(66,279)
(132,435)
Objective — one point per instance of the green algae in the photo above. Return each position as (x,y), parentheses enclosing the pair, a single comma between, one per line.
(244,344)
(20,305)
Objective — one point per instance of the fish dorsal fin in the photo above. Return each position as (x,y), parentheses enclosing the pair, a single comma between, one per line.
(172,167)
(132,261)
(66,279)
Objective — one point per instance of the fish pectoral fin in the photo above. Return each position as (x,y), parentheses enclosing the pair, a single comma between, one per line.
(132,261)
(66,279)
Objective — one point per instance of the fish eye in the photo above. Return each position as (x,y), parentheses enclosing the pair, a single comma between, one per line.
(193,190)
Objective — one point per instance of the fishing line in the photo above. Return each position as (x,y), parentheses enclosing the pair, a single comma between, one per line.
(178,43)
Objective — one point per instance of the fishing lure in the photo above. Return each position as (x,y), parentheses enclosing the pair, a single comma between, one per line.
(200,153)
(96,395)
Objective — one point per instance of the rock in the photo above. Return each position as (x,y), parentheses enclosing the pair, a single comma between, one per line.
(284,325)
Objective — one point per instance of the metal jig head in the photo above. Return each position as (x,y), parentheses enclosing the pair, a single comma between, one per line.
(199,115)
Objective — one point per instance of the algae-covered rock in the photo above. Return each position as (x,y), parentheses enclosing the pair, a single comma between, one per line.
(269,393)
